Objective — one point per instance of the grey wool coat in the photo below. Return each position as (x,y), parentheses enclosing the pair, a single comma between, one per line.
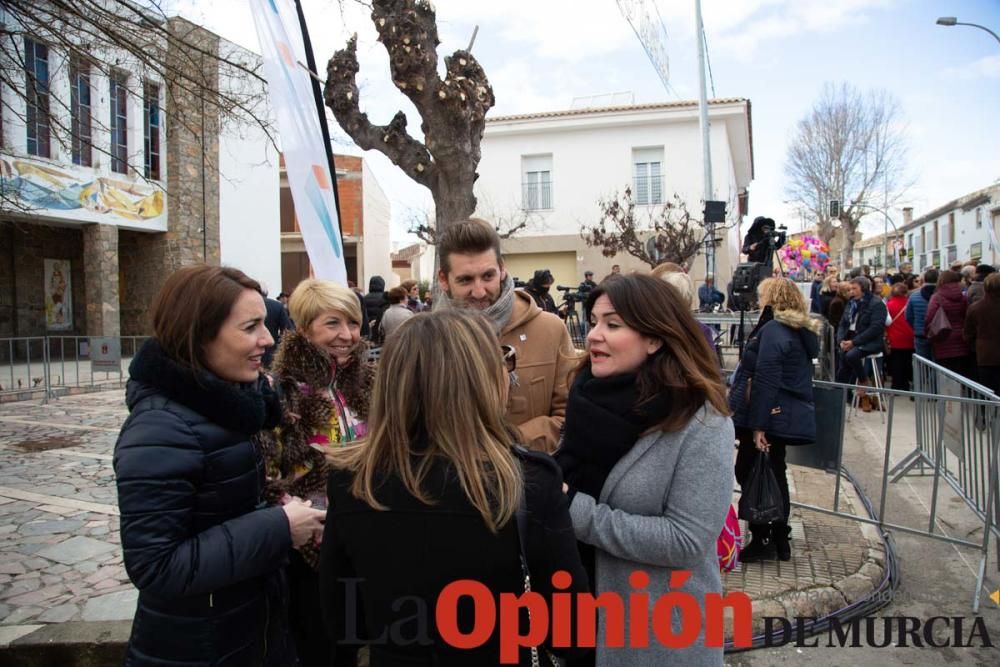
(662,509)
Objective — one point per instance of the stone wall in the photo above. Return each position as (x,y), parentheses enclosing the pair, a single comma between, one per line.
(23,249)
(192,145)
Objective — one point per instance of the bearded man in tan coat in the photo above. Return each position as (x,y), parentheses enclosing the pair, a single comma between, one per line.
(473,276)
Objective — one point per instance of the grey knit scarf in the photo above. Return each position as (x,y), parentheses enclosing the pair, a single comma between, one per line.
(499,313)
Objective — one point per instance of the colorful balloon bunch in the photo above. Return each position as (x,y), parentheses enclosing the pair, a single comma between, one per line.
(804,256)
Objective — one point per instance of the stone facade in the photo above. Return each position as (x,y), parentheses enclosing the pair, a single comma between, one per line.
(117,272)
(192,145)
(100,270)
(22,276)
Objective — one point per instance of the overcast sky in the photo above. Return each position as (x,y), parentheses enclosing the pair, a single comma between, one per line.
(540,54)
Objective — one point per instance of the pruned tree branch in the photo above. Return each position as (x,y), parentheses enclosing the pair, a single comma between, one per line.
(452,110)
(676,235)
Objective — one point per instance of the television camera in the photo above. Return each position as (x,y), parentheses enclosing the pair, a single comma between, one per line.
(573,294)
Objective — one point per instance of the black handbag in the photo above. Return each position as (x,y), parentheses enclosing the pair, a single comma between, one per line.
(761,501)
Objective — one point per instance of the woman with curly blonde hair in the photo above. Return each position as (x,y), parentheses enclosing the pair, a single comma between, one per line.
(323,377)
(772,400)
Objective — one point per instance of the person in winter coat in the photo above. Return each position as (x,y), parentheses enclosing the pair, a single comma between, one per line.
(756,244)
(950,349)
(840,297)
(376,303)
(539,288)
(860,334)
(647,455)
(977,288)
(900,336)
(982,332)
(205,553)
(277,322)
(916,309)
(438,493)
(772,402)
(324,378)
(473,277)
(398,311)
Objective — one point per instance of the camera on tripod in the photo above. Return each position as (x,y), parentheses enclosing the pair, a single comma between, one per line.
(572,294)
(774,236)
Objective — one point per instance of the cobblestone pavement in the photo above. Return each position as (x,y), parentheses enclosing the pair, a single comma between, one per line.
(60,558)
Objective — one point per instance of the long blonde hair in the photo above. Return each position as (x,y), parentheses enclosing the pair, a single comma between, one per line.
(440,383)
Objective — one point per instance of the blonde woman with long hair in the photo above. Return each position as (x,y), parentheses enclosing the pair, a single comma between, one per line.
(430,497)
(772,400)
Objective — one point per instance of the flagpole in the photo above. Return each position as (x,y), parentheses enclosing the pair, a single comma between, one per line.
(320,110)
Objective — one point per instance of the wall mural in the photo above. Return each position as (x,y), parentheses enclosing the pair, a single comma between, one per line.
(77,194)
(58,295)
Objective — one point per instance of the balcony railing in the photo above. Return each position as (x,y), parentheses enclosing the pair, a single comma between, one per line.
(536,195)
(647,190)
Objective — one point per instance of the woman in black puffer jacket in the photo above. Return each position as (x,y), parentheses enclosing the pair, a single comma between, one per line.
(772,400)
(204,552)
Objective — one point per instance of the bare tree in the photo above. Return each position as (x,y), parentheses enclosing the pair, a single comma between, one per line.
(851,147)
(670,229)
(452,109)
(507,225)
(197,71)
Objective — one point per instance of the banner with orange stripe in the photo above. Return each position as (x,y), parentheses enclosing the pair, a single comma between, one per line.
(306,162)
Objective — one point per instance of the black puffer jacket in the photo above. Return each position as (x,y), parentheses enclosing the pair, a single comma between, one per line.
(204,553)
(772,389)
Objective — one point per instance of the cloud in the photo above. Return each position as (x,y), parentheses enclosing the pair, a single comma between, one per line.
(987,67)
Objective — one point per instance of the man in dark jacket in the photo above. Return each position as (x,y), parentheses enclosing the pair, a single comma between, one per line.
(916,309)
(861,331)
(709,295)
(755,244)
(538,288)
(277,322)
(376,302)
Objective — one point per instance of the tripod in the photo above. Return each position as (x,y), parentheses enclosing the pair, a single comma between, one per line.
(574,324)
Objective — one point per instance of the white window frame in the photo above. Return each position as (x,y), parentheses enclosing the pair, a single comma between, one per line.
(536,182)
(647,176)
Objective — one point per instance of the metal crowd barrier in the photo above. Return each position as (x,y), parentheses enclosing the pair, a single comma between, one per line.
(958,439)
(54,364)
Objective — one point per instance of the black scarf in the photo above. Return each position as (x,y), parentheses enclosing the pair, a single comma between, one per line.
(245,408)
(603,422)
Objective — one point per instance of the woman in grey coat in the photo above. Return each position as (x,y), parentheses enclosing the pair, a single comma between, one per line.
(647,455)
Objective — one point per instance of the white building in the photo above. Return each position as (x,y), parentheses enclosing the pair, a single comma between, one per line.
(115,174)
(552,168)
(963,229)
(879,252)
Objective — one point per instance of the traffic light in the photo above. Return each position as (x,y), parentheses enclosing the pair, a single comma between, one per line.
(834,209)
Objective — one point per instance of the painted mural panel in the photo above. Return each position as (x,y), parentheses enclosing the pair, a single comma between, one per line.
(72,193)
(58,295)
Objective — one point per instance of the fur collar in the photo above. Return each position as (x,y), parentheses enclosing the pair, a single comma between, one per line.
(799,320)
(299,361)
(245,408)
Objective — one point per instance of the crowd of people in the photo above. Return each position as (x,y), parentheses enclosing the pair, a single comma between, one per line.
(945,316)
(306,508)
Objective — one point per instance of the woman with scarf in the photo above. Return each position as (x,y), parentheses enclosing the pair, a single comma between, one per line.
(647,456)
(772,401)
(206,556)
(322,374)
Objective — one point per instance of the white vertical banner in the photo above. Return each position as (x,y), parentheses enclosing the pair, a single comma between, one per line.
(305,155)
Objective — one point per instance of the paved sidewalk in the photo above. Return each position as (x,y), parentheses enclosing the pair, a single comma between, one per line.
(61,573)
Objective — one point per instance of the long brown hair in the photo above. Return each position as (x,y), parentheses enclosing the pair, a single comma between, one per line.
(439,394)
(190,308)
(685,368)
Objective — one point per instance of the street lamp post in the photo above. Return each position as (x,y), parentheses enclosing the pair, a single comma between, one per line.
(951,20)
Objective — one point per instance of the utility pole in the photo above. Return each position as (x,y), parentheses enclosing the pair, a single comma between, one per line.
(706,146)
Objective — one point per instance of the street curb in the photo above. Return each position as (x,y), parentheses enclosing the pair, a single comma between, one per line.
(71,644)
